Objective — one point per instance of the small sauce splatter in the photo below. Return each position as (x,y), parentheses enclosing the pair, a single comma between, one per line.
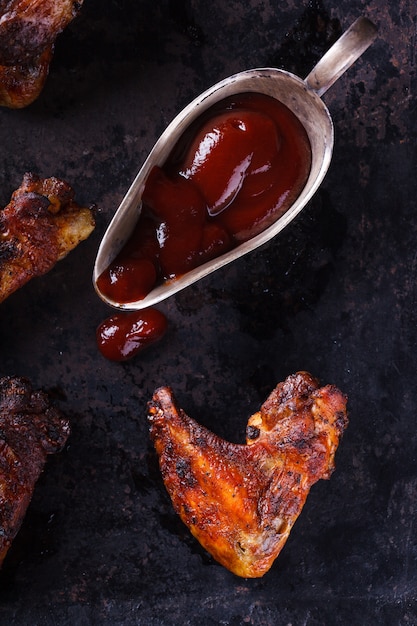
(122,336)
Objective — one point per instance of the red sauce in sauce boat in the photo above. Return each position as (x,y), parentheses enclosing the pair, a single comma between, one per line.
(232,174)
(301,97)
(231,171)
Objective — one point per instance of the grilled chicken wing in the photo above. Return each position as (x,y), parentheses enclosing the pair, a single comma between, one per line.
(30,429)
(28,30)
(21,84)
(39,226)
(241,501)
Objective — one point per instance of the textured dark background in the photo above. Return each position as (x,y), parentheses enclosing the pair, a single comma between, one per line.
(335,294)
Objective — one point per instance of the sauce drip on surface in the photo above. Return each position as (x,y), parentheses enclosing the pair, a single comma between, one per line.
(121,336)
(233,173)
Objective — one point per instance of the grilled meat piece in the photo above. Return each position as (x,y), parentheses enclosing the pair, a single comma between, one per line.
(39,226)
(28,30)
(241,501)
(28,27)
(30,429)
(21,84)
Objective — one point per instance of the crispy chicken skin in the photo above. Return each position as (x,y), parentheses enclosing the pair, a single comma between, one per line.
(28,30)
(30,429)
(40,225)
(20,85)
(241,501)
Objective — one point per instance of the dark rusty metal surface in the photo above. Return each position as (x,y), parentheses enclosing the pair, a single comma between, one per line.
(335,294)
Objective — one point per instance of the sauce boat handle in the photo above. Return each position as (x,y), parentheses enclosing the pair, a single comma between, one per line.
(341,55)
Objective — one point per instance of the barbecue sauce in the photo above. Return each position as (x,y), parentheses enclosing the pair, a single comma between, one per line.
(122,336)
(233,173)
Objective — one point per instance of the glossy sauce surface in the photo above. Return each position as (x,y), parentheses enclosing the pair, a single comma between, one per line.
(233,173)
(122,336)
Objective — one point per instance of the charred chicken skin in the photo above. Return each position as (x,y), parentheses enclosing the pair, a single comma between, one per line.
(30,429)
(28,30)
(241,501)
(39,226)
(21,84)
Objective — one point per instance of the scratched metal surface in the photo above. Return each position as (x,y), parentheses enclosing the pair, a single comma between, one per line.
(334,294)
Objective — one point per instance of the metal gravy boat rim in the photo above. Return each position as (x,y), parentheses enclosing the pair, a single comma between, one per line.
(303,97)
